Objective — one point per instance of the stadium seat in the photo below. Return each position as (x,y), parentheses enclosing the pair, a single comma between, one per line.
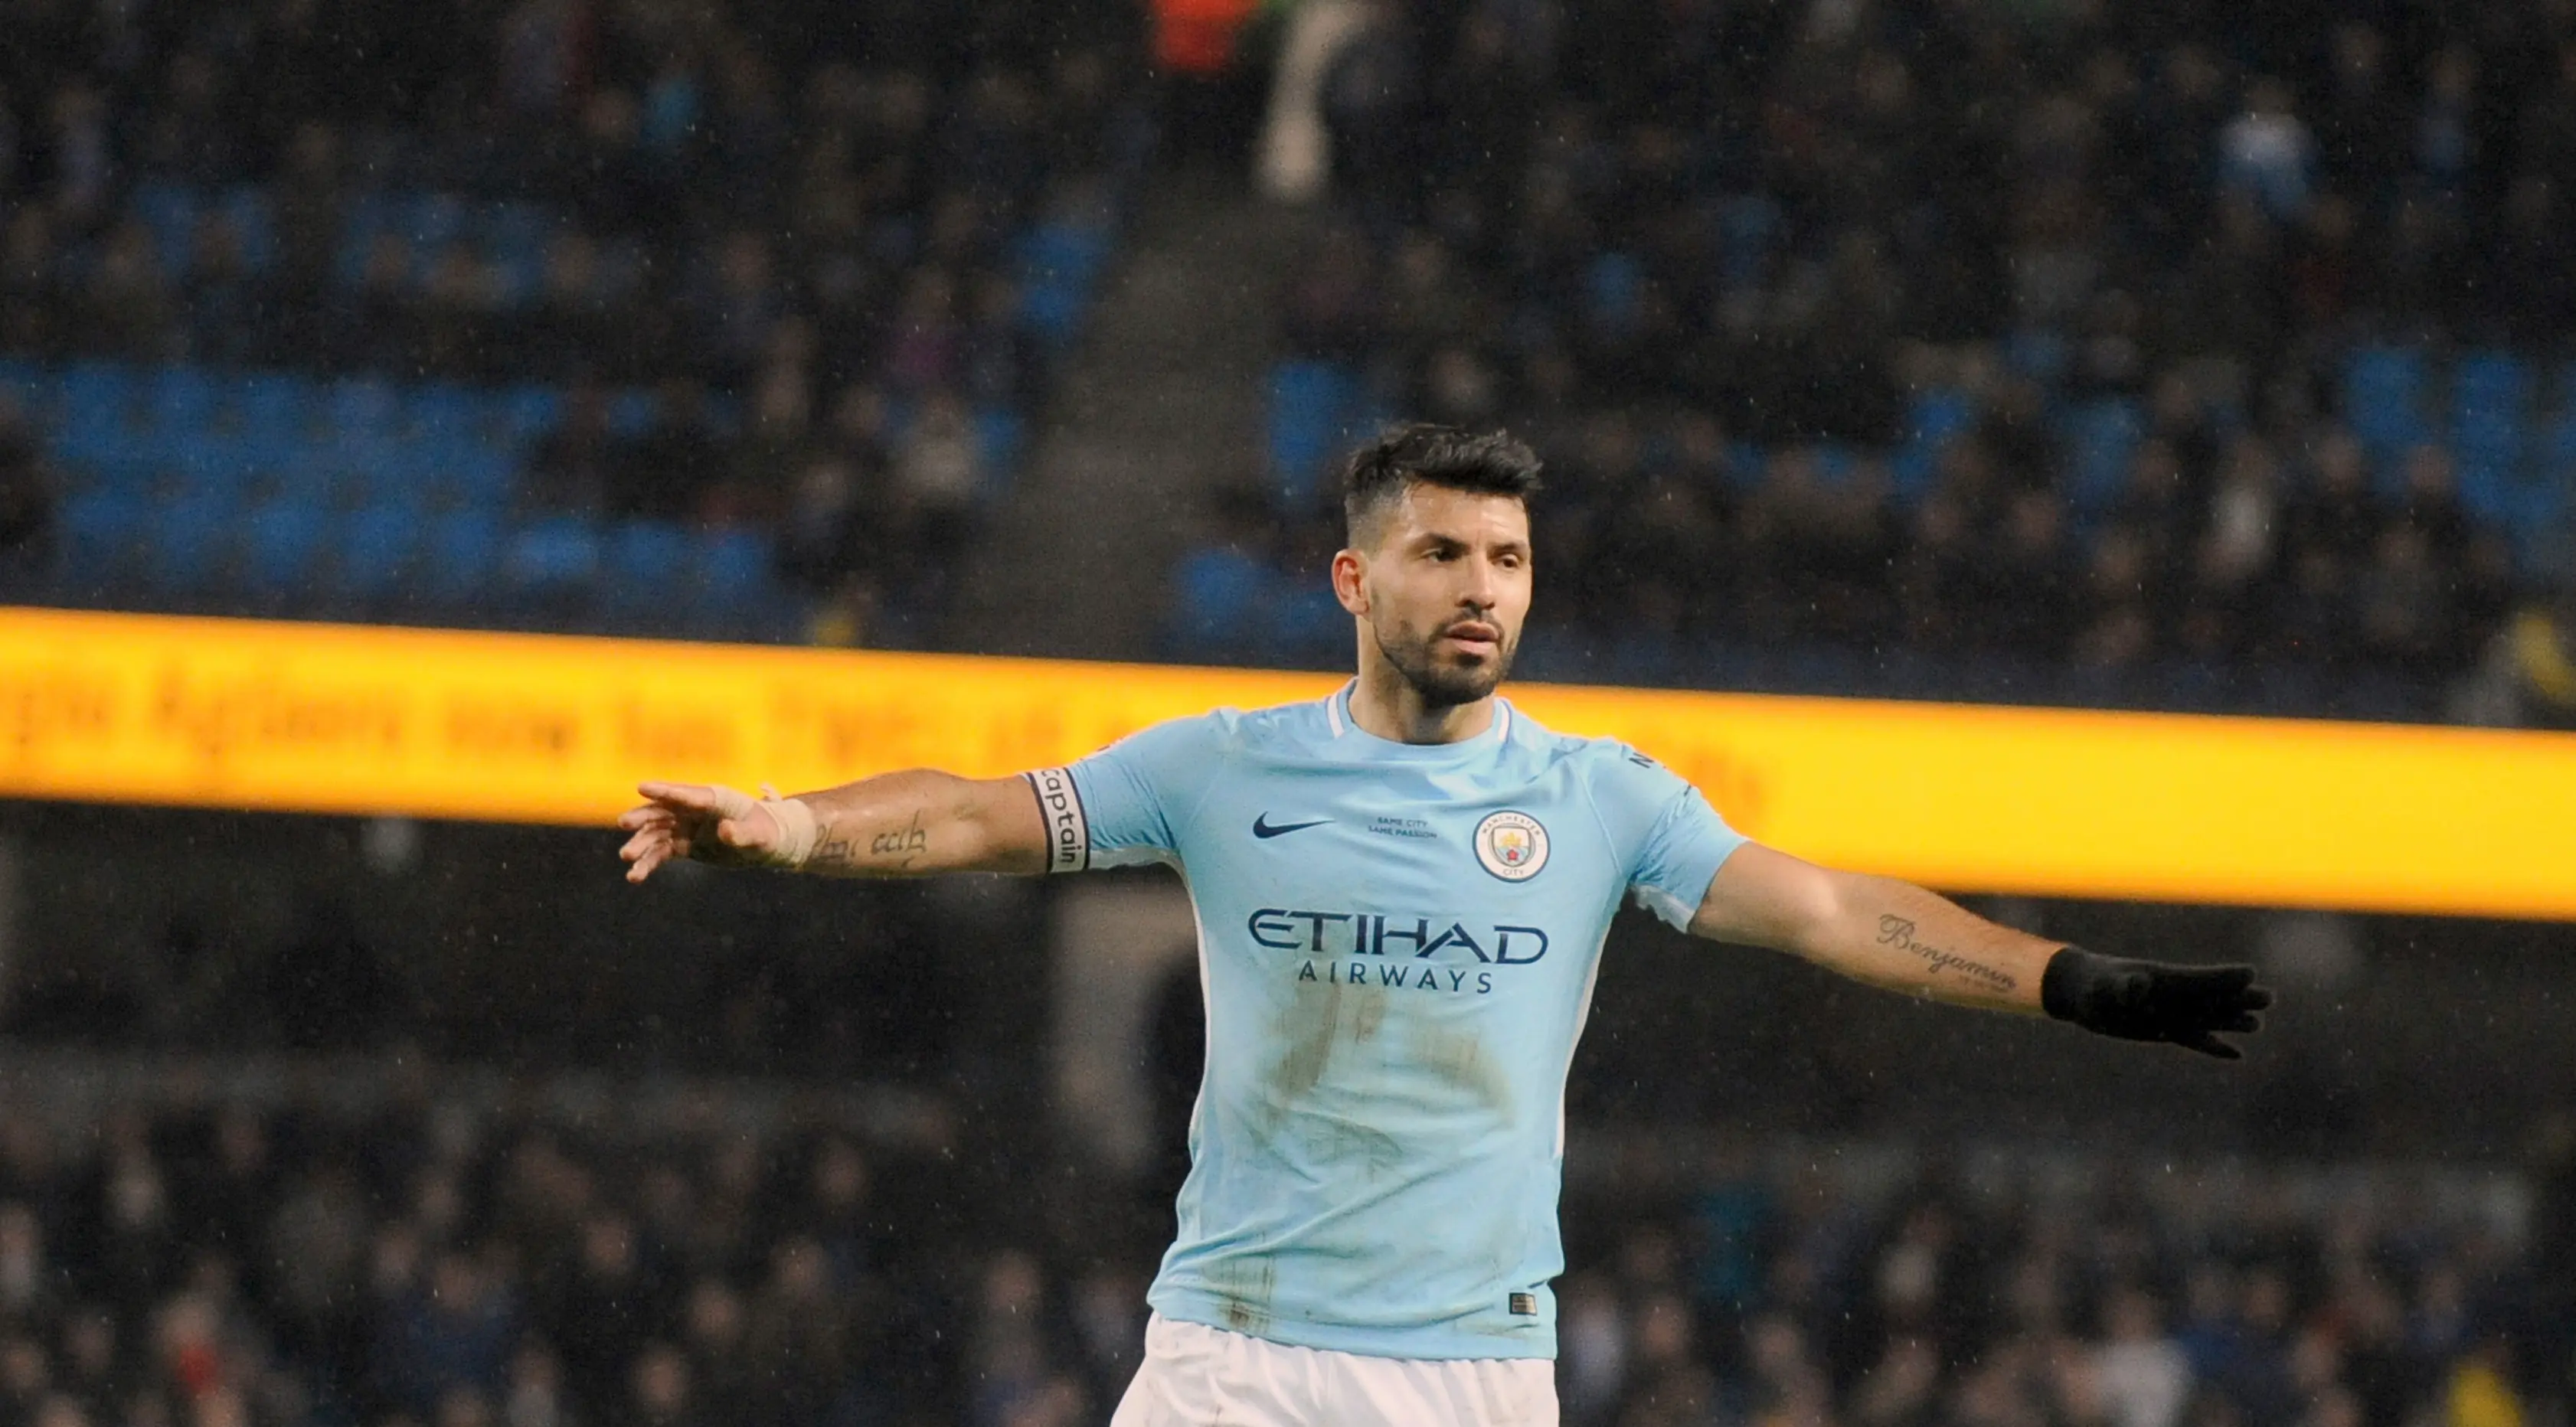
(2101,437)
(1311,406)
(169,210)
(631,413)
(528,412)
(2383,399)
(514,239)
(999,434)
(457,554)
(254,218)
(282,542)
(1217,596)
(645,568)
(550,560)
(180,406)
(106,535)
(189,533)
(1613,287)
(373,551)
(94,414)
(28,386)
(363,412)
(734,566)
(1748,226)
(2489,428)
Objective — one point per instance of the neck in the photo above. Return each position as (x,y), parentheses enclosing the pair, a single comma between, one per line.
(1385,704)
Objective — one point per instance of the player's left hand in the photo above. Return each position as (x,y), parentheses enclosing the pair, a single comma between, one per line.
(2154,1001)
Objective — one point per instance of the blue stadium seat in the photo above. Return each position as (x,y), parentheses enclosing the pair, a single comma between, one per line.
(458,553)
(473,473)
(1060,262)
(550,558)
(255,219)
(1307,622)
(2489,429)
(28,386)
(1747,226)
(181,405)
(94,414)
(1218,594)
(734,566)
(1613,286)
(644,568)
(363,411)
(2102,438)
(282,542)
(514,238)
(1936,417)
(529,412)
(190,533)
(441,412)
(375,551)
(2383,398)
(999,434)
(169,210)
(277,410)
(431,221)
(1311,408)
(105,536)
(631,413)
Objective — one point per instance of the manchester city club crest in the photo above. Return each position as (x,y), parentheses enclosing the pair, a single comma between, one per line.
(1512,846)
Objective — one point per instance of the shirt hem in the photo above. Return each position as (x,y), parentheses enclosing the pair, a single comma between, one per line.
(1441,1344)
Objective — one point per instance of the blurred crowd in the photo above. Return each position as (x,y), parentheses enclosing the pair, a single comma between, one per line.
(541,1259)
(1712,258)
(790,226)
(2085,1290)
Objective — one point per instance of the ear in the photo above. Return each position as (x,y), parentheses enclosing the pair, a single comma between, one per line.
(1350,580)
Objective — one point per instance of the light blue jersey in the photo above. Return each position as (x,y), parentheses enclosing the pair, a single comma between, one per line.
(1397,945)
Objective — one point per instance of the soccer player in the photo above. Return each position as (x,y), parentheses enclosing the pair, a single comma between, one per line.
(1401,892)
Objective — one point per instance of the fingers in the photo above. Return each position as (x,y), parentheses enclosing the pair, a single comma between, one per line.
(2256,998)
(694,797)
(645,816)
(2208,1044)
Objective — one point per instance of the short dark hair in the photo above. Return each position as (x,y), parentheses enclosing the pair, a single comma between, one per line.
(1488,463)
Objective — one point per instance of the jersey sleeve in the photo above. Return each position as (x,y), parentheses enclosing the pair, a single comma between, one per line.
(1123,805)
(1671,840)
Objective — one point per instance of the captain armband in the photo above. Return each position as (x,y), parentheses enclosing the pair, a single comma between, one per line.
(1068,829)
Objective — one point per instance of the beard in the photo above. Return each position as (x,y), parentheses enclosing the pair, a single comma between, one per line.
(1444,685)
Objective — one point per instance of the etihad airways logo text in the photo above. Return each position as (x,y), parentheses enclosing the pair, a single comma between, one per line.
(1386,934)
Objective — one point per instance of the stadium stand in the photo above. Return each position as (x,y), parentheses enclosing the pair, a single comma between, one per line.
(273,1246)
(560,317)
(2092,357)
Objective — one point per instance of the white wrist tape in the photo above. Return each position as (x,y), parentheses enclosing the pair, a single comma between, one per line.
(795,820)
(797,831)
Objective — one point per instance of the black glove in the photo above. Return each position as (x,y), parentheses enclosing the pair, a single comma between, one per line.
(2152,1000)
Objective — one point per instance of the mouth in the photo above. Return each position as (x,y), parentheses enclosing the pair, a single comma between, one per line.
(1474,637)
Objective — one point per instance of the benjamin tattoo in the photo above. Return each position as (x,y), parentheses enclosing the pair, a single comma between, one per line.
(1898,932)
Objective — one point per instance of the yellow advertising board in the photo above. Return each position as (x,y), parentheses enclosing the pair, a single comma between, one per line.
(545,728)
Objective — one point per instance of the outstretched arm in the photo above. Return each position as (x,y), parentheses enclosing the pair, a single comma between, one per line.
(1897,935)
(908,824)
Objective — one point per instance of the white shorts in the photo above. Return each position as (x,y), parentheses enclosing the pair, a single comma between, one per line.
(1197,1376)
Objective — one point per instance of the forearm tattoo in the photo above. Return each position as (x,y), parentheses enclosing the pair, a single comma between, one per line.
(894,850)
(1898,932)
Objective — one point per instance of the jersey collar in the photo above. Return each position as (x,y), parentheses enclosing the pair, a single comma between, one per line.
(1337,711)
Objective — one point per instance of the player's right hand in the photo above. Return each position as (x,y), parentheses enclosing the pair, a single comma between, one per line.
(705,822)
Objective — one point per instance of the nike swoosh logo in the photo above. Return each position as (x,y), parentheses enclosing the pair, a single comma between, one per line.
(1262,826)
